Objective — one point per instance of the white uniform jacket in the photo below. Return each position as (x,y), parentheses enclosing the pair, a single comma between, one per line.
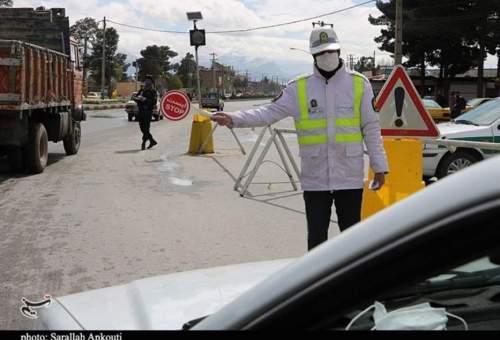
(331,166)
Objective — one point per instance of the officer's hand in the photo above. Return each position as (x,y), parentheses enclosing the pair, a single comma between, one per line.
(379,180)
(222,119)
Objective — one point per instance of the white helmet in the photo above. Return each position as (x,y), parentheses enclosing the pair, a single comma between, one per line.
(323,39)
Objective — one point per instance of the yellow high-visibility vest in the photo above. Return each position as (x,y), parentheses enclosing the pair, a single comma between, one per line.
(313,131)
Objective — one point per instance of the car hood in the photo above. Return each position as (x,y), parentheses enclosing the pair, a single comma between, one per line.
(452,130)
(159,303)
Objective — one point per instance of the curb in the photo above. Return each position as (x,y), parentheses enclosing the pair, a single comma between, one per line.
(103,107)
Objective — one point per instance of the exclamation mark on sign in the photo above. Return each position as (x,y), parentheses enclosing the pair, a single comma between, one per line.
(399,98)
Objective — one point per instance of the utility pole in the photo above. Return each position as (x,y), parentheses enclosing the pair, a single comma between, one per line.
(398,46)
(351,61)
(247,81)
(223,80)
(103,65)
(85,49)
(136,74)
(262,83)
(213,71)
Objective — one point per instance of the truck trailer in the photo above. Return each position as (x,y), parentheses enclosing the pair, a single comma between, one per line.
(41,86)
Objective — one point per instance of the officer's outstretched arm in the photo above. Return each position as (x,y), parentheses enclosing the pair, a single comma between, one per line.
(370,127)
(281,107)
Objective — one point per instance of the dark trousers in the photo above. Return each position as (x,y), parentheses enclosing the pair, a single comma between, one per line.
(319,211)
(145,125)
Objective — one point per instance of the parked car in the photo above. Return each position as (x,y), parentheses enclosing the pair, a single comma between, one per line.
(481,124)
(212,101)
(440,246)
(437,112)
(132,109)
(475,102)
(93,95)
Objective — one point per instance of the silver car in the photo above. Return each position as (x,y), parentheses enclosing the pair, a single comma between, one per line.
(440,247)
(132,109)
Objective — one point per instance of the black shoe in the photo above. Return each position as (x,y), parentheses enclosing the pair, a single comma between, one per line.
(152,143)
(143,145)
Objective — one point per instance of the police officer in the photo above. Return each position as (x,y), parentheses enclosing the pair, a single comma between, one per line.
(146,100)
(334,114)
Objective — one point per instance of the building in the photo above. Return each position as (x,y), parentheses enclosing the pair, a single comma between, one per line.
(125,89)
(465,83)
(218,80)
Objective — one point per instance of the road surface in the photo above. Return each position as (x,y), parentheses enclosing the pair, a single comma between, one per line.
(113,213)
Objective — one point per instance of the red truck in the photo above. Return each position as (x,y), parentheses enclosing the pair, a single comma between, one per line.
(41,86)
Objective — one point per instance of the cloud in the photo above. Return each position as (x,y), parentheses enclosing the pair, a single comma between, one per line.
(271,45)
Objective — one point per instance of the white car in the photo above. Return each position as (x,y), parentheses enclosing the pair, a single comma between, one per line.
(481,124)
(440,246)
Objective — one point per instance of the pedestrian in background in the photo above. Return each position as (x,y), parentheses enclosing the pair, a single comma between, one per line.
(452,101)
(459,105)
(441,100)
(146,100)
(334,115)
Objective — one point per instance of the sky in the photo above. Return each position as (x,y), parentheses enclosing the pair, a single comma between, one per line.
(260,51)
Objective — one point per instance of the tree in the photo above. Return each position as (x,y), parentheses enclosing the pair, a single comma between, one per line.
(187,71)
(240,83)
(85,31)
(174,82)
(115,65)
(434,33)
(155,62)
(365,64)
(485,33)
(121,67)
(6,3)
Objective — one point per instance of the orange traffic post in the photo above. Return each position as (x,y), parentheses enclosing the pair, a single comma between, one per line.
(404,178)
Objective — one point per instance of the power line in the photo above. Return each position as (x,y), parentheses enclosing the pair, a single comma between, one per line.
(146,29)
(247,29)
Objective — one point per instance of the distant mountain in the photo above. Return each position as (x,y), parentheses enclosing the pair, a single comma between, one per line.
(258,68)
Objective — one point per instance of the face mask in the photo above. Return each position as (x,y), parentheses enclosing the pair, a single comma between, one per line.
(328,61)
(418,317)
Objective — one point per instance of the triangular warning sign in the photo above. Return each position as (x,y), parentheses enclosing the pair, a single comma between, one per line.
(402,113)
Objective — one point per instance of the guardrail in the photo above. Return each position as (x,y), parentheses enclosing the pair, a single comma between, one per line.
(452,145)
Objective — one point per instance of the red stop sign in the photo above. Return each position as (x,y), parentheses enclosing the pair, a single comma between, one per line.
(175,105)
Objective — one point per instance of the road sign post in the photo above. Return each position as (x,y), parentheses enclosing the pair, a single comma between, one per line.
(201,140)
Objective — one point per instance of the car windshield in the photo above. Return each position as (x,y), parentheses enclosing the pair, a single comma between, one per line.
(475,102)
(485,114)
(429,103)
(478,273)
(464,289)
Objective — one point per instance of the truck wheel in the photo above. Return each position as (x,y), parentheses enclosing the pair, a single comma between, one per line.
(36,152)
(454,162)
(15,158)
(72,142)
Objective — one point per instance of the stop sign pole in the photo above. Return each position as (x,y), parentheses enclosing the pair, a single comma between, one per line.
(197,39)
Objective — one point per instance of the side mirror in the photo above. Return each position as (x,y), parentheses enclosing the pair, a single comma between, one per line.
(498,127)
